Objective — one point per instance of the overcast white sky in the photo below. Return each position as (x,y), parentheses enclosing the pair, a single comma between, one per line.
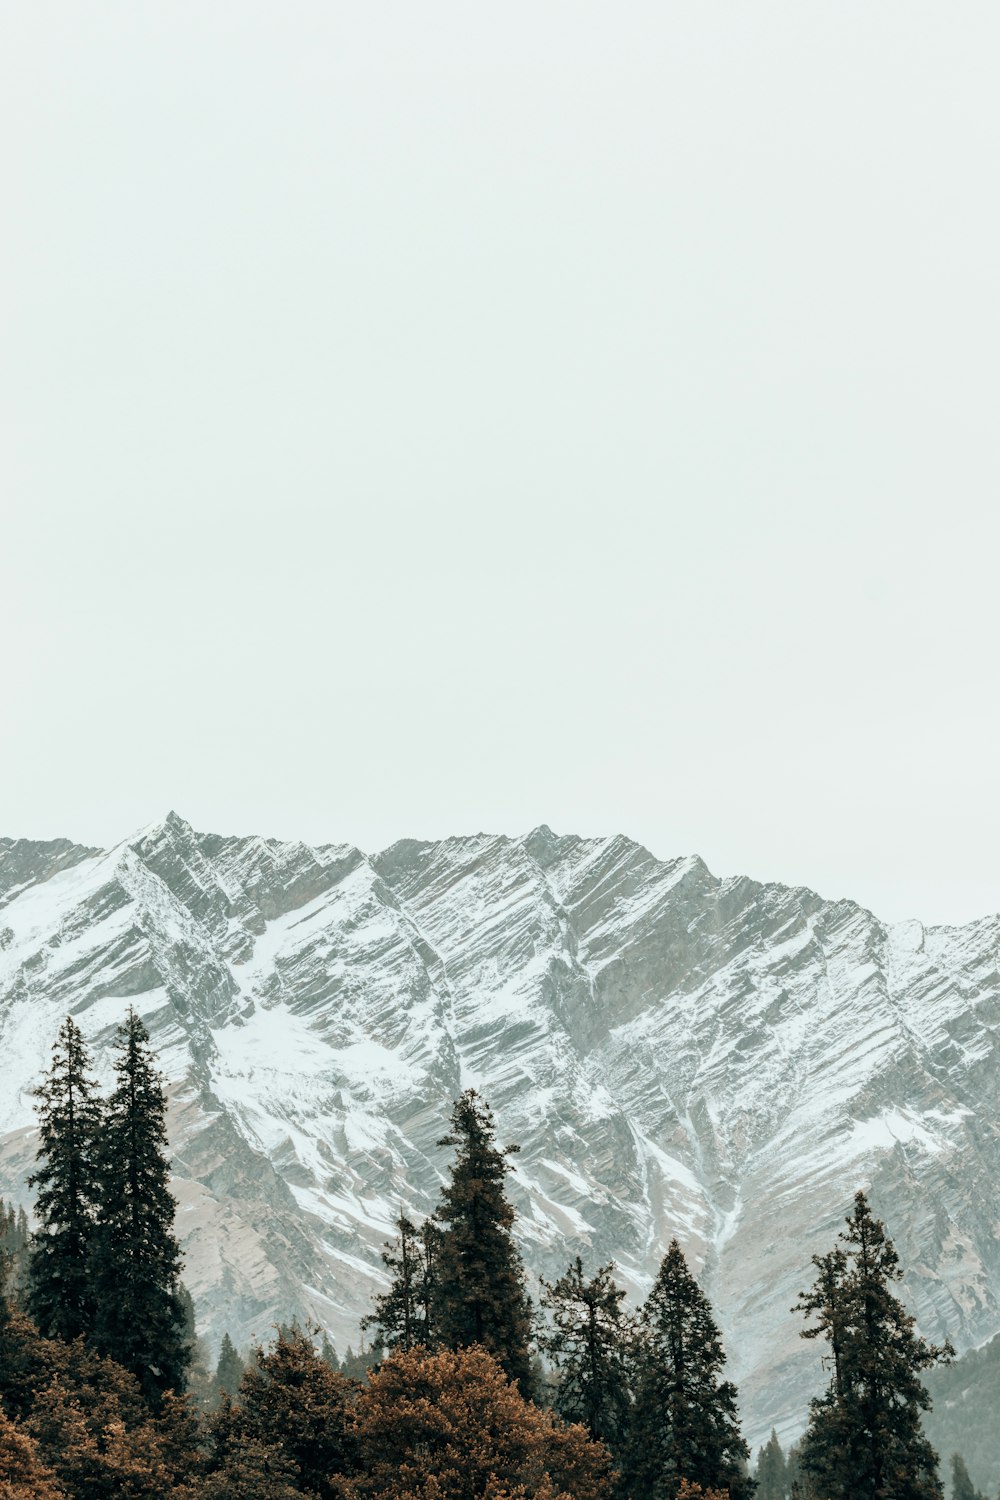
(420,418)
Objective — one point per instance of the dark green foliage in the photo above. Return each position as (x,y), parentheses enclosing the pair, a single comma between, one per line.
(26,1360)
(589,1342)
(480,1286)
(864,1437)
(139,1311)
(328,1353)
(771,1473)
(290,1401)
(60,1295)
(228,1371)
(962,1487)
(684,1422)
(404,1315)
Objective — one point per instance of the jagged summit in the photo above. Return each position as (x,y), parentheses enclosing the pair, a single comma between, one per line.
(723,1060)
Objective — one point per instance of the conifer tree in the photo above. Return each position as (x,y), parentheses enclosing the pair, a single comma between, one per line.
(228,1371)
(480,1285)
(291,1402)
(404,1314)
(589,1343)
(962,1487)
(14,1252)
(864,1439)
(684,1422)
(396,1311)
(59,1273)
(253,1471)
(771,1473)
(139,1315)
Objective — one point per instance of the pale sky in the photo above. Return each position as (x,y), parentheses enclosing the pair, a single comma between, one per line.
(425,418)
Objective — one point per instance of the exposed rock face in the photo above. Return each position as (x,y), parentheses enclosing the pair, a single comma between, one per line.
(721,1060)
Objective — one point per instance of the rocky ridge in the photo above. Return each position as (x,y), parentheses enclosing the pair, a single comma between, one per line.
(677,1054)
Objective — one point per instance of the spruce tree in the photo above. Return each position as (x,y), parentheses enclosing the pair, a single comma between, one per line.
(228,1371)
(864,1437)
(404,1314)
(396,1313)
(59,1287)
(589,1342)
(479,1276)
(140,1314)
(290,1401)
(962,1487)
(771,1473)
(684,1422)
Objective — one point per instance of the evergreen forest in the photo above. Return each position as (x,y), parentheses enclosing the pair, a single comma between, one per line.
(470,1387)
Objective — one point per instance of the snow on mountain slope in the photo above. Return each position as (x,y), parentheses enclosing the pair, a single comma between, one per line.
(721,1060)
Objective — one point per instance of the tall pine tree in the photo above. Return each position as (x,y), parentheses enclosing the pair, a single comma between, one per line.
(864,1440)
(139,1316)
(228,1371)
(481,1296)
(684,1422)
(771,1473)
(962,1487)
(589,1342)
(59,1290)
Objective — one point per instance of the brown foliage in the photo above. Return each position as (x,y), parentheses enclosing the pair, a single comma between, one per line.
(27,1361)
(253,1471)
(451,1426)
(99,1460)
(96,1432)
(23,1476)
(689,1491)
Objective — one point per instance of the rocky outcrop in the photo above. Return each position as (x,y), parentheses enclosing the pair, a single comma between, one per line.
(676,1054)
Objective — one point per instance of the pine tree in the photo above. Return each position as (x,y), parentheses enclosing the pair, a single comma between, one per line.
(962,1487)
(480,1286)
(404,1314)
(59,1274)
(864,1437)
(684,1422)
(589,1343)
(292,1403)
(396,1311)
(139,1315)
(359,1366)
(14,1241)
(228,1371)
(771,1473)
(253,1471)
(794,1476)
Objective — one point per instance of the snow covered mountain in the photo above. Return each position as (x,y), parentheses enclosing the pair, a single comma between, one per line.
(676,1054)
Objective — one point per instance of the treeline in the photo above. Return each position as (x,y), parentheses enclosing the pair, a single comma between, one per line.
(468,1390)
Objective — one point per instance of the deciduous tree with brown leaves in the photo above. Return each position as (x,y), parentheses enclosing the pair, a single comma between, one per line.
(452,1426)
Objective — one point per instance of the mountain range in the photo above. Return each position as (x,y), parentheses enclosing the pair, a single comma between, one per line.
(719,1060)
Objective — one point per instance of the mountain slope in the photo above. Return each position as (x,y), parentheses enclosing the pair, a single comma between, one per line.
(719,1059)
